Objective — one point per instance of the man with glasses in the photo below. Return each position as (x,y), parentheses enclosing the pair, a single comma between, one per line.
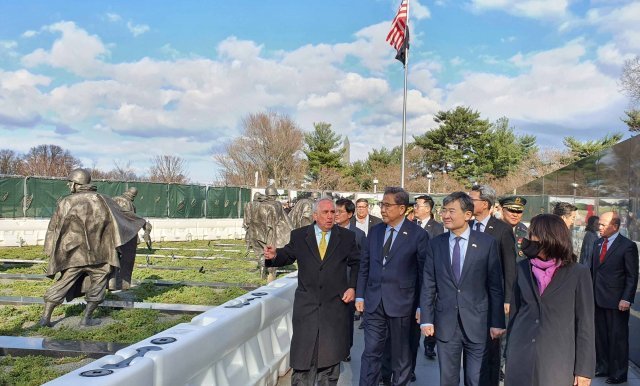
(363,220)
(390,270)
(484,197)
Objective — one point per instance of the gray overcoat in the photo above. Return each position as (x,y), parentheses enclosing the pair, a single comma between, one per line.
(551,337)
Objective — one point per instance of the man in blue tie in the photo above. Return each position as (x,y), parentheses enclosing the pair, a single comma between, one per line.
(462,297)
(388,286)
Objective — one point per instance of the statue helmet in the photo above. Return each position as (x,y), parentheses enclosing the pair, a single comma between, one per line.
(132,191)
(80,176)
(271,191)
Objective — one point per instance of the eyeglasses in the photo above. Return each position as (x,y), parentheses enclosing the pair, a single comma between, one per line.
(420,206)
(386,205)
(362,207)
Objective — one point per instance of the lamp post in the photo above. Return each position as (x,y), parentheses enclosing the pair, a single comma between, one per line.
(574,185)
(375,186)
(429,178)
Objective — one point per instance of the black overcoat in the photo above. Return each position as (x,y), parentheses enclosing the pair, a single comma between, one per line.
(551,338)
(318,309)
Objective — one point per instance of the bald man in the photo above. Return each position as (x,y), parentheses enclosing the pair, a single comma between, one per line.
(615,277)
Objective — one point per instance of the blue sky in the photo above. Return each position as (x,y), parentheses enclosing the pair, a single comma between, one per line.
(122,81)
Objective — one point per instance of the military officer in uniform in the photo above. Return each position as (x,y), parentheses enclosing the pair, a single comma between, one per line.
(512,211)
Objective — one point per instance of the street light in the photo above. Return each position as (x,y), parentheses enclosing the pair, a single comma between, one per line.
(375,186)
(574,185)
(429,178)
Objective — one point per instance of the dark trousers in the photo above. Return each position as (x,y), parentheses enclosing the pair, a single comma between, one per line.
(491,370)
(414,344)
(325,376)
(612,342)
(352,312)
(450,353)
(378,328)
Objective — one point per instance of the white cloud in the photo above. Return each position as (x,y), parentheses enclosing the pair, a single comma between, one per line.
(419,11)
(75,51)
(113,17)
(556,86)
(137,29)
(457,61)
(623,23)
(535,9)
(609,54)
(29,34)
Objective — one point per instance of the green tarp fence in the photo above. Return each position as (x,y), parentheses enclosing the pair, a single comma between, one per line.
(187,201)
(227,202)
(11,195)
(153,200)
(43,195)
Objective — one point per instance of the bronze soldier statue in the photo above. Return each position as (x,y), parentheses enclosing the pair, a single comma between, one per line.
(302,213)
(81,241)
(121,278)
(267,224)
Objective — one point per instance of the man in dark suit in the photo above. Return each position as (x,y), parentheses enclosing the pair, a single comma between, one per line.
(390,268)
(484,197)
(345,209)
(615,278)
(462,301)
(363,220)
(324,252)
(423,210)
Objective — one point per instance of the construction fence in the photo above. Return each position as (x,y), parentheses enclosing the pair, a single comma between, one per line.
(36,197)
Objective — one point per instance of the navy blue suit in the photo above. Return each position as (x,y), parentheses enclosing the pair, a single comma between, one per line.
(390,292)
(462,312)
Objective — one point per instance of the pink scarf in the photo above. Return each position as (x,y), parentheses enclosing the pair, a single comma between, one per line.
(543,271)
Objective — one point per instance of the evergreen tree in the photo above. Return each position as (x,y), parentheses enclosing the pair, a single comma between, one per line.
(459,146)
(581,149)
(633,120)
(323,149)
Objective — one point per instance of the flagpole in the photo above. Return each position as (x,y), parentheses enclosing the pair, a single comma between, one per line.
(404,102)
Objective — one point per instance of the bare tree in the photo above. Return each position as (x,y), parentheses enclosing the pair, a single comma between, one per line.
(48,161)
(168,169)
(9,162)
(271,145)
(630,78)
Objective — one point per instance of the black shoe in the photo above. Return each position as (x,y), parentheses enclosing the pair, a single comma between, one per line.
(347,359)
(601,374)
(615,381)
(413,377)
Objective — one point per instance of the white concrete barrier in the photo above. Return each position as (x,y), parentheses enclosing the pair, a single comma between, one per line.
(23,232)
(247,344)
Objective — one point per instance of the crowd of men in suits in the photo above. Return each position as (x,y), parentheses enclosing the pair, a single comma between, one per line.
(451,282)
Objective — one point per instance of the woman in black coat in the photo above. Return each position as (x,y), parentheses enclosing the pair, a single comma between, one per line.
(551,336)
(590,237)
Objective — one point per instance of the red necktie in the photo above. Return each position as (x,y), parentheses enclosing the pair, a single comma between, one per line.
(603,251)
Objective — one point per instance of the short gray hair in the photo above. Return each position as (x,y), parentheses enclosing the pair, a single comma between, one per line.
(317,203)
(487,193)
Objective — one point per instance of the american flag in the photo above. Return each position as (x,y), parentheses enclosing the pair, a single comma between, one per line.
(396,36)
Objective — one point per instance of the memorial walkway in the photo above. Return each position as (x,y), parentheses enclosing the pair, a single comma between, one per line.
(426,370)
